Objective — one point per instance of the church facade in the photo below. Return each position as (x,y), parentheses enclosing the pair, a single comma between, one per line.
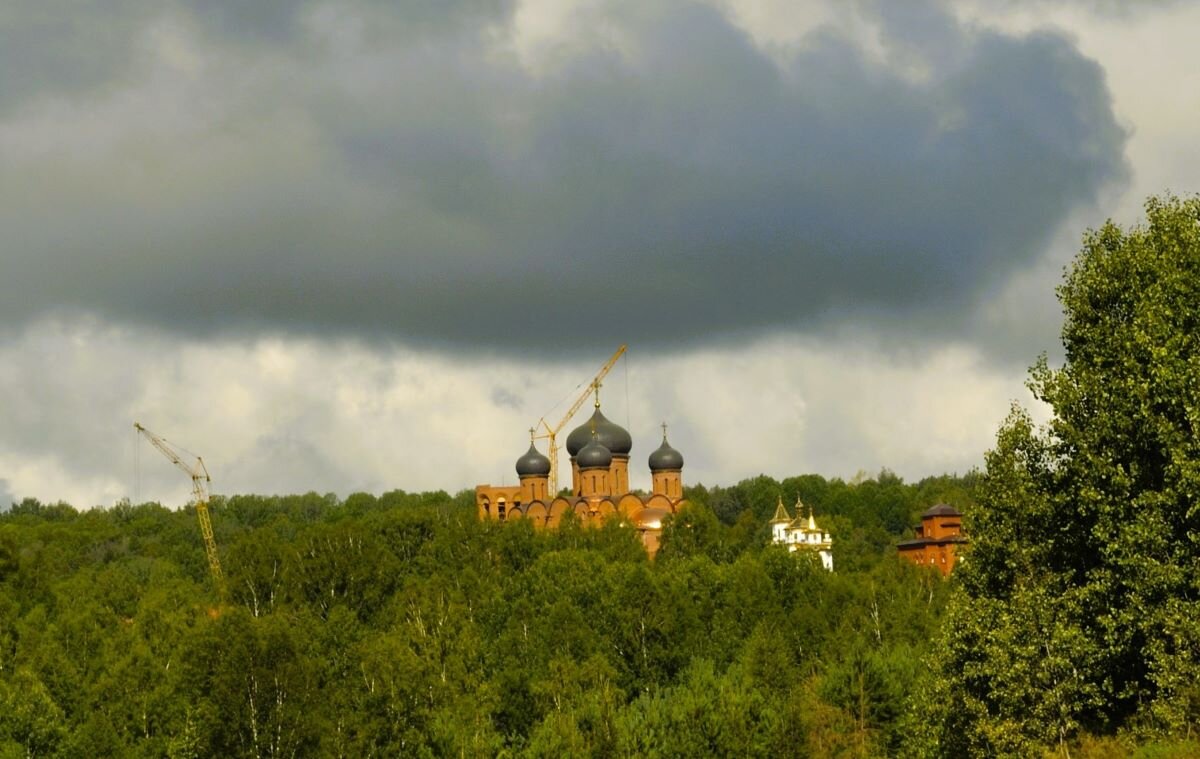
(801,534)
(937,541)
(599,451)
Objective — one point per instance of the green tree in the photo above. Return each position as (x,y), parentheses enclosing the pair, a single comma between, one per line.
(707,714)
(1079,605)
(29,717)
(694,531)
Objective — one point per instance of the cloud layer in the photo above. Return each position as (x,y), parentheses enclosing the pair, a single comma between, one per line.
(285,415)
(648,172)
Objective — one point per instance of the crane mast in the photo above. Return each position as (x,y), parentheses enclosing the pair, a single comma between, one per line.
(551,433)
(200,480)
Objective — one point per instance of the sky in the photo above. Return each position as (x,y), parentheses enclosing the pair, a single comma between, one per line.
(361,246)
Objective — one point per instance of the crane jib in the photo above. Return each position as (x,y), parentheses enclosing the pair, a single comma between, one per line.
(198,473)
(551,433)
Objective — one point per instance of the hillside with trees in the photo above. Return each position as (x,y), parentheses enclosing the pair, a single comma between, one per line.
(401,625)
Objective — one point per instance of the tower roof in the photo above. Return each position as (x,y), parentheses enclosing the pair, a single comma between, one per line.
(781,514)
(800,522)
(594,455)
(533,463)
(665,457)
(941,510)
(612,436)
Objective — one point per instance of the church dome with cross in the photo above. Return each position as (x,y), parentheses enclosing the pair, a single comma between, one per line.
(599,454)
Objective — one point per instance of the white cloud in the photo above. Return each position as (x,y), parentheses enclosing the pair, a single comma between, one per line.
(280,414)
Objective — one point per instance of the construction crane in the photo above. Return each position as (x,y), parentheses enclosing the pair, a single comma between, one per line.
(200,479)
(551,433)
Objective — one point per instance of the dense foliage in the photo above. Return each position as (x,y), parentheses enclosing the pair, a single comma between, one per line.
(1080,608)
(402,626)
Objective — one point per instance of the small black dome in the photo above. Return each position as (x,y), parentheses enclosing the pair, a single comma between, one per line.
(594,456)
(533,463)
(665,457)
(611,436)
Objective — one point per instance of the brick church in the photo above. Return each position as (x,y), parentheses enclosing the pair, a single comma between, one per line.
(599,451)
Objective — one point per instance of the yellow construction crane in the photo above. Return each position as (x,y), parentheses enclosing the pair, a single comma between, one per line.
(200,479)
(551,433)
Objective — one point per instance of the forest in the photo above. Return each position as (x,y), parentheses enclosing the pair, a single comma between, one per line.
(401,625)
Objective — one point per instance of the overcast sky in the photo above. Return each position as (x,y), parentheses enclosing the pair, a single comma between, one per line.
(363,246)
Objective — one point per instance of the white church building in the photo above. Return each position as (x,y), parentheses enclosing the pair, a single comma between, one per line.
(801,534)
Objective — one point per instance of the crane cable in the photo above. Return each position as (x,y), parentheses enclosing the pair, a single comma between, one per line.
(562,400)
(625,360)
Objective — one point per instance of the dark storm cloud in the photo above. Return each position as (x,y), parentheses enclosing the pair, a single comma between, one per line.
(282,20)
(1101,7)
(63,48)
(507,398)
(53,47)
(258,20)
(662,179)
(289,460)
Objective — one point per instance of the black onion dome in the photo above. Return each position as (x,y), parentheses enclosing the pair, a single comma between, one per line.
(612,436)
(594,456)
(533,463)
(665,457)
